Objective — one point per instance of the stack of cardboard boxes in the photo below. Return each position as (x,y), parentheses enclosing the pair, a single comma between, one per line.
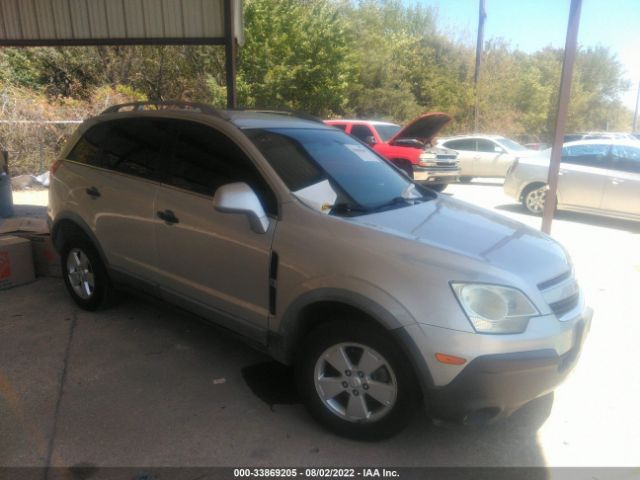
(26,251)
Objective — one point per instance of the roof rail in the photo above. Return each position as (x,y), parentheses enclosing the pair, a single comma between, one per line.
(291,113)
(163,105)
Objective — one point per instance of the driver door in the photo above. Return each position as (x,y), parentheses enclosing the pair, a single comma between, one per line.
(210,262)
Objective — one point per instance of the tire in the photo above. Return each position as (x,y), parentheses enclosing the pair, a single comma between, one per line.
(359,345)
(533,198)
(84,274)
(438,187)
(465,179)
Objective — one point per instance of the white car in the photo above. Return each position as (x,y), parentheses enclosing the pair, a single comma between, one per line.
(596,176)
(485,155)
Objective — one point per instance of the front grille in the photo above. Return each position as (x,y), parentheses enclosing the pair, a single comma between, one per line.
(444,156)
(565,305)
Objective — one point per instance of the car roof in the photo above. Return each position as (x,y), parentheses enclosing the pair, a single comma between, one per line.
(606,141)
(243,119)
(368,122)
(487,136)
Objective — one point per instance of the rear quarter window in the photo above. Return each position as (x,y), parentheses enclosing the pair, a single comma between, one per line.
(87,149)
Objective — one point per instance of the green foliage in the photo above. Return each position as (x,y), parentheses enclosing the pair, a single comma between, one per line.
(362,58)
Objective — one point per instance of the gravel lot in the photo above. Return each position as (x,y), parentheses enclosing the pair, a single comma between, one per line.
(142,385)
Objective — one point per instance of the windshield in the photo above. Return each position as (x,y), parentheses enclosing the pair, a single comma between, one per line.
(511,145)
(363,181)
(387,131)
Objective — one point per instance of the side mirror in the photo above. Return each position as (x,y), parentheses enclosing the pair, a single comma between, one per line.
(240,198)
(370,140)
(498,149)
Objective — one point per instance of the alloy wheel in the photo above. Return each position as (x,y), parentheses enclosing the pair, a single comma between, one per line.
(80,274)
(355,382)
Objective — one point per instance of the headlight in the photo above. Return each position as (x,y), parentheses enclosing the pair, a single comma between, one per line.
(428,159)
(495,309)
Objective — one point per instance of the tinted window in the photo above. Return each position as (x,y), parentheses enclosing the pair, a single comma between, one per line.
(625,158)
(341,126)
(361,132)
(586,155)
(87,150)
(205,159)
(136,146)
(303,157)
(466,144)
(487,146)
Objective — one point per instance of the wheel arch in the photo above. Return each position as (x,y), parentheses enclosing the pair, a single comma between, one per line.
(319,307)
(68,224)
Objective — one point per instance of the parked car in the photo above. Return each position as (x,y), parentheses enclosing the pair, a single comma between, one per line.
(410,147)
(537,146)
(572,137)
(485,155)
(596,176)
(382,294)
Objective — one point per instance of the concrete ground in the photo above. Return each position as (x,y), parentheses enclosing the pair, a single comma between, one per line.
(142,385)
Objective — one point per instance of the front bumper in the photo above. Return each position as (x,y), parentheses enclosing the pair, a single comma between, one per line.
(435,175)
(494,385)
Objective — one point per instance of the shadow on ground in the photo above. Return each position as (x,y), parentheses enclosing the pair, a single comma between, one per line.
(141,384)
(584,218)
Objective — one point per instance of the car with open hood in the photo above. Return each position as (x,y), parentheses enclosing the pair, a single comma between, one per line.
(382,294)
(410,148)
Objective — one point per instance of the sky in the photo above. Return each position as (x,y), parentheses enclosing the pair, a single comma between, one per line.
(533,24)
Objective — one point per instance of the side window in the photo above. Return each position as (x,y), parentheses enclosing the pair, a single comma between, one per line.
(361,132)
(487,146)
(87,150)
(625,158)
(466,145)
(205,159)
(586,155)
(341,126)
(136,146)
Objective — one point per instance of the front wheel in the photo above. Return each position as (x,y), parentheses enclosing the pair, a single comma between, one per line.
(534,198)
(355,381)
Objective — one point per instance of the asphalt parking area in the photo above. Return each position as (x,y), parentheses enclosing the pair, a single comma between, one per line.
(141,384)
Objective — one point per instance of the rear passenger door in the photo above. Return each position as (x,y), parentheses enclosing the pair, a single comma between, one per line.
(466,148)
(622,182)
(120,191)
(582,175)
(209,262)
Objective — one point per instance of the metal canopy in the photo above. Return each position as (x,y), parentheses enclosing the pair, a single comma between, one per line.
(111,22)
(25,23)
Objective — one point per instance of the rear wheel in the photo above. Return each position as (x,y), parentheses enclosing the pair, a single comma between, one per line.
(355,381)
(438,187)
(534,197)
(465,179)
(84,274)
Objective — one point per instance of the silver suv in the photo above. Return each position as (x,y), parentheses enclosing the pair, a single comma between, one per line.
(382,294)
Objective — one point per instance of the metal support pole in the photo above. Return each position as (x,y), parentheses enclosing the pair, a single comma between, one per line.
(230,48)
(570,48)
(635,114)
(482,15)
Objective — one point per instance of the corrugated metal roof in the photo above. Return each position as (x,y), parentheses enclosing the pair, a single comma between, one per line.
(49,22)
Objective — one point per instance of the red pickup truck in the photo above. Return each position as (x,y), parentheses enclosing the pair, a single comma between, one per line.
(410,147)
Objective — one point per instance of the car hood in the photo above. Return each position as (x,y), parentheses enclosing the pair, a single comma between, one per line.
(476,233)
(423,128)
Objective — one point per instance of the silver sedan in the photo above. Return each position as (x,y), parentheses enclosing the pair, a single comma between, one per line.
(596,176)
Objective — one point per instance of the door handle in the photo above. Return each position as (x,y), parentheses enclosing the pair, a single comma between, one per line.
(93,192)
(168,217)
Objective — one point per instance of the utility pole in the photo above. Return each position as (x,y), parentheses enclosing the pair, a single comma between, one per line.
(482,15)
(570,48)
(635,114)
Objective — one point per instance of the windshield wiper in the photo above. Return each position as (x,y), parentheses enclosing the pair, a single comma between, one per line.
(345,207)
(398,201)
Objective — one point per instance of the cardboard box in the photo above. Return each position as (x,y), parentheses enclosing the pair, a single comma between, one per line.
(16,262)
(46,260)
